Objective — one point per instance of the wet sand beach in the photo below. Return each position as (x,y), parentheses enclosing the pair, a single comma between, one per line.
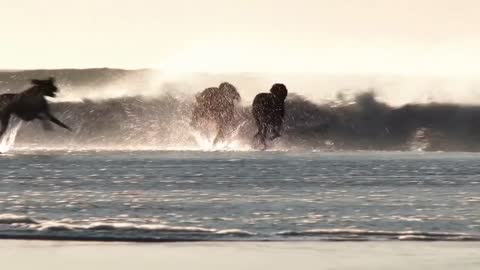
(52,255)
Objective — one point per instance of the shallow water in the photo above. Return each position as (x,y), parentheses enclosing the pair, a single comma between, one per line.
(161,195)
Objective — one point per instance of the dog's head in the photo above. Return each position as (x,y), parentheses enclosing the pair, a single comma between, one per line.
(279,90)
(46,87)
(229,91)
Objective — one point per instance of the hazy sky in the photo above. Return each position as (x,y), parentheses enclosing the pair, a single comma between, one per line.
(439,37)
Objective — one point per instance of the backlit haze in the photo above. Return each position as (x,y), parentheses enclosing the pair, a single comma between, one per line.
(406,38)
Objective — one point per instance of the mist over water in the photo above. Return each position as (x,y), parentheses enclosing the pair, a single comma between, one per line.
(146,109)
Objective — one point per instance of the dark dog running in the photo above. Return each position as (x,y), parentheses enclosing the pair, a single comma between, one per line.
(29,104)
(268,111)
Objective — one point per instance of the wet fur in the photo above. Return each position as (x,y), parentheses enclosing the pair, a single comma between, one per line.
(216,105)
(268,110)
(29,104)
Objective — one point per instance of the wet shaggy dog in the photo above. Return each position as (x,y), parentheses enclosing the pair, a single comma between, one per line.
(29,104)
(268,111)
(216,105)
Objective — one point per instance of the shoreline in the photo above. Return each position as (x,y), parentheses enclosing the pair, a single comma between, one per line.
(140,240)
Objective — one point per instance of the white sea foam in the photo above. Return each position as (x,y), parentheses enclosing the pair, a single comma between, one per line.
(101,226)
(361,232)
(12,219)
(72,225)
(236,232)
(117,229)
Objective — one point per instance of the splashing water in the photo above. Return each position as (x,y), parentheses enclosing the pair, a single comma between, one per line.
(205,140)
(8,138)
(420,140)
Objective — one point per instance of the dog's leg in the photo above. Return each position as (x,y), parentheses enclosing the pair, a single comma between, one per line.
(220,135)
(56,121)
(45,122)
(262,136)
(275,132)
(47,125)
(4,122)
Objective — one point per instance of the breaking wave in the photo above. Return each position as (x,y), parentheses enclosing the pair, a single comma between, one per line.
(129,110)
(359,123)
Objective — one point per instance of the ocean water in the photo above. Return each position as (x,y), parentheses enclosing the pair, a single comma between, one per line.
(239,195)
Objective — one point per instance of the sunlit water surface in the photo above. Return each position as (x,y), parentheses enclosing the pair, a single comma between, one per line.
(161,195)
